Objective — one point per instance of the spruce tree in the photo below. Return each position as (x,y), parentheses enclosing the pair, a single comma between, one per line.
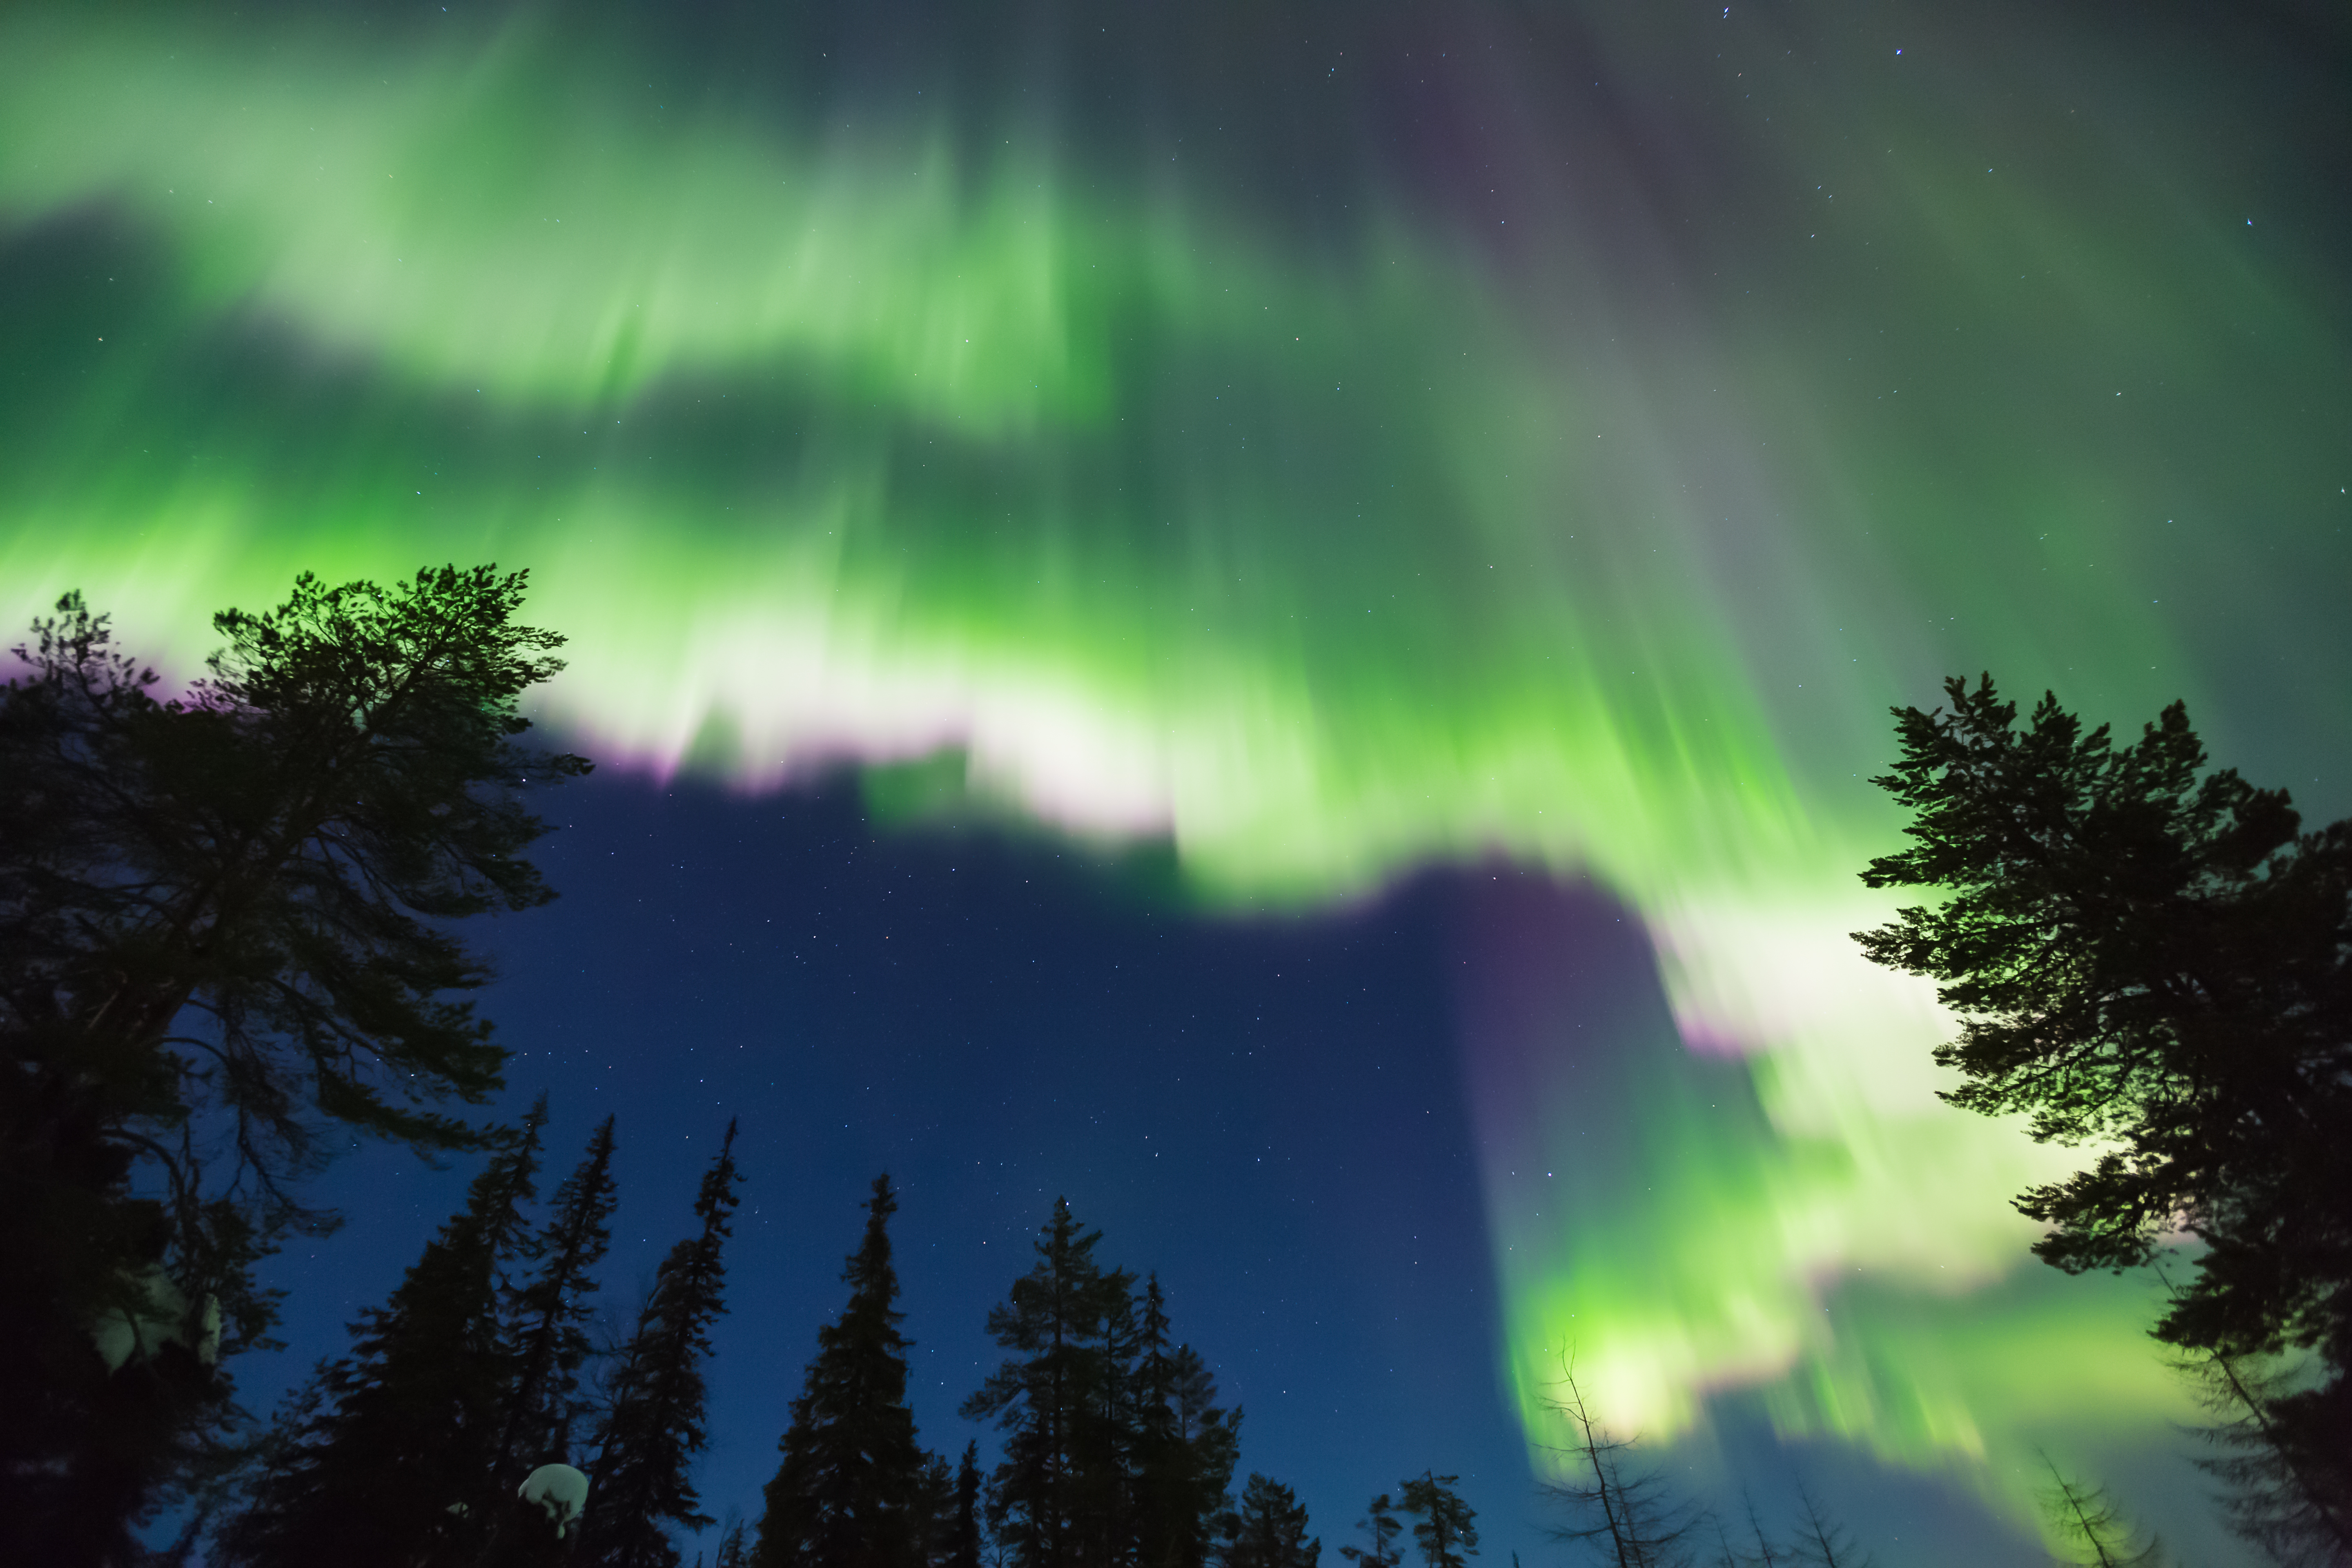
(963,1542)
(1268,1530)
(393,1465)
(935,1510)
(849,1492)
(640,1483)
(1047,1401)
(548,1316)
(1185,1444)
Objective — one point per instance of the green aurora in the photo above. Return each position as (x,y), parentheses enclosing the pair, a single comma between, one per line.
(1419,460)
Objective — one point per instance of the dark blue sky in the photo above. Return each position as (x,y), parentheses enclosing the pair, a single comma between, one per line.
(1266,1112)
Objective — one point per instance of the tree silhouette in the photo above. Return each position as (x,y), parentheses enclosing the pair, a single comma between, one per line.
(1822,1540)
(2156,958)
(963,1544)
(2092,1527)
(1182,1445)
(642,1482)
(392,1463)
(1444,1527)
(1268,1529)
(1056,1317)
(1631,1520)
(548,1316)
(1379,1527)
(223,917)
(849,1492)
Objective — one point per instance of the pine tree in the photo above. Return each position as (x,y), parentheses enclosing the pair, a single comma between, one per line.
(640,1482)
(221,918)
(1047,1402)
(2156,960)
(1379,1527)
(1444,1527)
(548,1316)
(393,1464)
(1268,1530)
(849,1490)
(1185,1444)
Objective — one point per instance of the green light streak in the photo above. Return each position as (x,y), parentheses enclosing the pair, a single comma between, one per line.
(874,444)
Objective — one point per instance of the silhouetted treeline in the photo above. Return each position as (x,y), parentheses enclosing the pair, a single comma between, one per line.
(224,927)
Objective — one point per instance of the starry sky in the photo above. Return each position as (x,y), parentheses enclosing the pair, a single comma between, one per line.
(1271,617)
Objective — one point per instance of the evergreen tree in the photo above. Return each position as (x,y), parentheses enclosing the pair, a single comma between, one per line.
(392,1464)
(1186,1447)
(963,1542)
(1047,1402)
(1268,1530)
(1444,1527)
(548,1316)
(2157,960)
(1379,1527)
(935,1510)
(222,917)
(850,1489)
(640,1482)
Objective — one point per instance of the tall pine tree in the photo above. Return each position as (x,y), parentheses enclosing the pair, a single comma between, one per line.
(850,1491)
(1117,1452)
(393,1466)
(1185,1446)
(1054,1318)
(548,1316)
(640,1482)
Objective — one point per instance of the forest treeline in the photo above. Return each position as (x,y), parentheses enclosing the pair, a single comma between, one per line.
(228,944)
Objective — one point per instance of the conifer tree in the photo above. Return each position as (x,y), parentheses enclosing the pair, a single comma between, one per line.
(1379,1527)
(935,1510)
(1185,1444)
(850,1491)
(963,1542)
(2156,960)
(221,917)
(392,1465)
(2087,1518)
(1268,1529)
(548,1316)
(1444,1527)
(641,1483)
(1047,1401)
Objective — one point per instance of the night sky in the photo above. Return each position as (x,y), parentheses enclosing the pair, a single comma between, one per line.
(1272,617)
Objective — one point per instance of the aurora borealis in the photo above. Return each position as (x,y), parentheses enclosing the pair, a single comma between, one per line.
(1333,442)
